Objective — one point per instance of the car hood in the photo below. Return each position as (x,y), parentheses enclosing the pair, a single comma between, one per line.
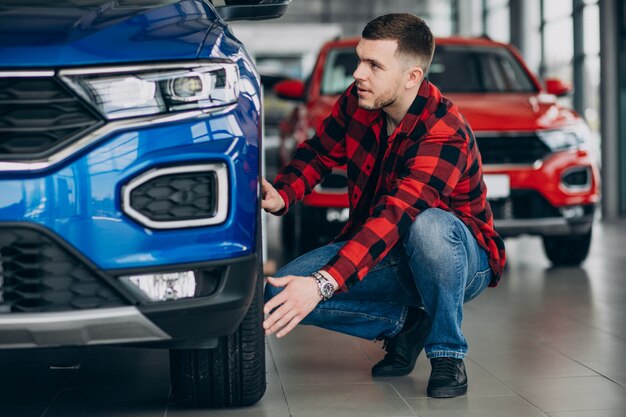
(513,112)
(100,31)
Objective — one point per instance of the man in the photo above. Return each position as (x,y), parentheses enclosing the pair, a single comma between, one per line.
(420,239)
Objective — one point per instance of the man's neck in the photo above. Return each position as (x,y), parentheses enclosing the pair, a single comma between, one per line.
(396,112)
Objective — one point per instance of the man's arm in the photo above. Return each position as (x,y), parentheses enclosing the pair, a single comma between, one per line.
(314,158)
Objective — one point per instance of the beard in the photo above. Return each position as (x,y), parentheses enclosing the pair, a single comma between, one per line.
(386,99)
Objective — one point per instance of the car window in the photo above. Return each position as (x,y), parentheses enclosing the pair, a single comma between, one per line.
(477,69)
(455,69)
(340,64)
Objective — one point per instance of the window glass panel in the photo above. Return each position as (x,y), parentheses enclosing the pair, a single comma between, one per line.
(465,69)
(495,3)
(555,9)
(592,90)
(559,44)
(498,25)
(340,65)
(591,22)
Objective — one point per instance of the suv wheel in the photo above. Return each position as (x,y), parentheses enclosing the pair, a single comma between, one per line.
(567,250)
(231,375)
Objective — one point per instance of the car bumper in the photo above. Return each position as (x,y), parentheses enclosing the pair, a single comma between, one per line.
(555,226)
(166,323)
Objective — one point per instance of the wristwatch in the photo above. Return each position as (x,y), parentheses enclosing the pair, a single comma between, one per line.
(324,286)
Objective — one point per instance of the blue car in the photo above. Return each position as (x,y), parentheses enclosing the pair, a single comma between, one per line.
(129,185)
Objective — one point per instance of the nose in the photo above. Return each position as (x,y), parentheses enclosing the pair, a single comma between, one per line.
(359,74)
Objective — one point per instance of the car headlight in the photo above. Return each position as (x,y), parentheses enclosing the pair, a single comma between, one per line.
(119,92)
(565,139)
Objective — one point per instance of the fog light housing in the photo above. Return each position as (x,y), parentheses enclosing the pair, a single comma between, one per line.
(163,286)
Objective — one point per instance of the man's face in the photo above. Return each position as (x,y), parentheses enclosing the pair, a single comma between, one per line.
(380,76)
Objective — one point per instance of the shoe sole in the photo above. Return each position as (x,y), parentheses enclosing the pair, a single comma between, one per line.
(447,392)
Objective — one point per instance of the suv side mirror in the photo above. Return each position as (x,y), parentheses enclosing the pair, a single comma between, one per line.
(290,90)
(250,9)
(557,87)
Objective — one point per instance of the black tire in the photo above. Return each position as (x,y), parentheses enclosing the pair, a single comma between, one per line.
(231,375)
(567,250)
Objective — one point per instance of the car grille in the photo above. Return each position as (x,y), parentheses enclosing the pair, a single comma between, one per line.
(184,196)
(38,116)
(523,204)
(512,149)
(39,275)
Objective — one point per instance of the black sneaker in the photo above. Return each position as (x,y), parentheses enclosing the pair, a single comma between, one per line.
(447,378)
(404,348)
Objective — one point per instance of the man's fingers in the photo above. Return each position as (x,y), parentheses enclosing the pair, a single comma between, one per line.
(274,302)
(289,327)
(286,316)
(279,282)
(279,298)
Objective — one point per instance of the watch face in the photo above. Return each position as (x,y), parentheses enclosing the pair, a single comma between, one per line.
(327,289)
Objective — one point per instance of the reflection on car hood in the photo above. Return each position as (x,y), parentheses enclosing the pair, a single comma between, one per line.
(512,111)
(33,34)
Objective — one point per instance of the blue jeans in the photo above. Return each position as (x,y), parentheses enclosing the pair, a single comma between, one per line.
(437,266)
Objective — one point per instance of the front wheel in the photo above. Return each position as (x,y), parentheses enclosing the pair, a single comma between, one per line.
(231,375)
(567,250)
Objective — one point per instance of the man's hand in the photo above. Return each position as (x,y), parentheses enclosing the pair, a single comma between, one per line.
(272,201)
(294,302)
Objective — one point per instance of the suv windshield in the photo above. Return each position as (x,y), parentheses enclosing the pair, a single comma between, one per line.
(455,69)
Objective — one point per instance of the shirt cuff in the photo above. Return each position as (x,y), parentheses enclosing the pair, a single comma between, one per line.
(284,210)
(330,279)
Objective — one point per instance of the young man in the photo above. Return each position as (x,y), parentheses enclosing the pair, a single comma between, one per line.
(420,239)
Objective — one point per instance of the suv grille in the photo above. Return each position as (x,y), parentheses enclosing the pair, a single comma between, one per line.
(507,149)
(38,116)
(523,204)
(174,197)
(38,275)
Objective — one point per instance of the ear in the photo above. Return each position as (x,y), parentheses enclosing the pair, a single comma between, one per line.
(416,75)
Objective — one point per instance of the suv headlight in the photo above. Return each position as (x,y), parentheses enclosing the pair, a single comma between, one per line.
(575,137)
(119,92)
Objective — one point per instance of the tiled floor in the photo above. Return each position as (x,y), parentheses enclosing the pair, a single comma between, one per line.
(546,342)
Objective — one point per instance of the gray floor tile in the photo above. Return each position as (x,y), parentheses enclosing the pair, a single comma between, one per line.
(305,357)
(528,360)
(570,394)
(343,400)
(589,413)
(509,406)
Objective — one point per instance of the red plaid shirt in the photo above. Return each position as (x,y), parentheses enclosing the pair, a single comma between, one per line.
(431,161)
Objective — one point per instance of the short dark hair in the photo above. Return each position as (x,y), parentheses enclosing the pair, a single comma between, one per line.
(415,40)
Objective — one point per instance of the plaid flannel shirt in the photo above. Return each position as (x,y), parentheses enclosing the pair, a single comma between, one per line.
(431,160)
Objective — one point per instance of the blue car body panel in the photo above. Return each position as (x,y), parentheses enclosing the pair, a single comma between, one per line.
(78,199)
(92,36)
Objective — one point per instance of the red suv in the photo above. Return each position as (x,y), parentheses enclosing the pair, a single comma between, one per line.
(541,176)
